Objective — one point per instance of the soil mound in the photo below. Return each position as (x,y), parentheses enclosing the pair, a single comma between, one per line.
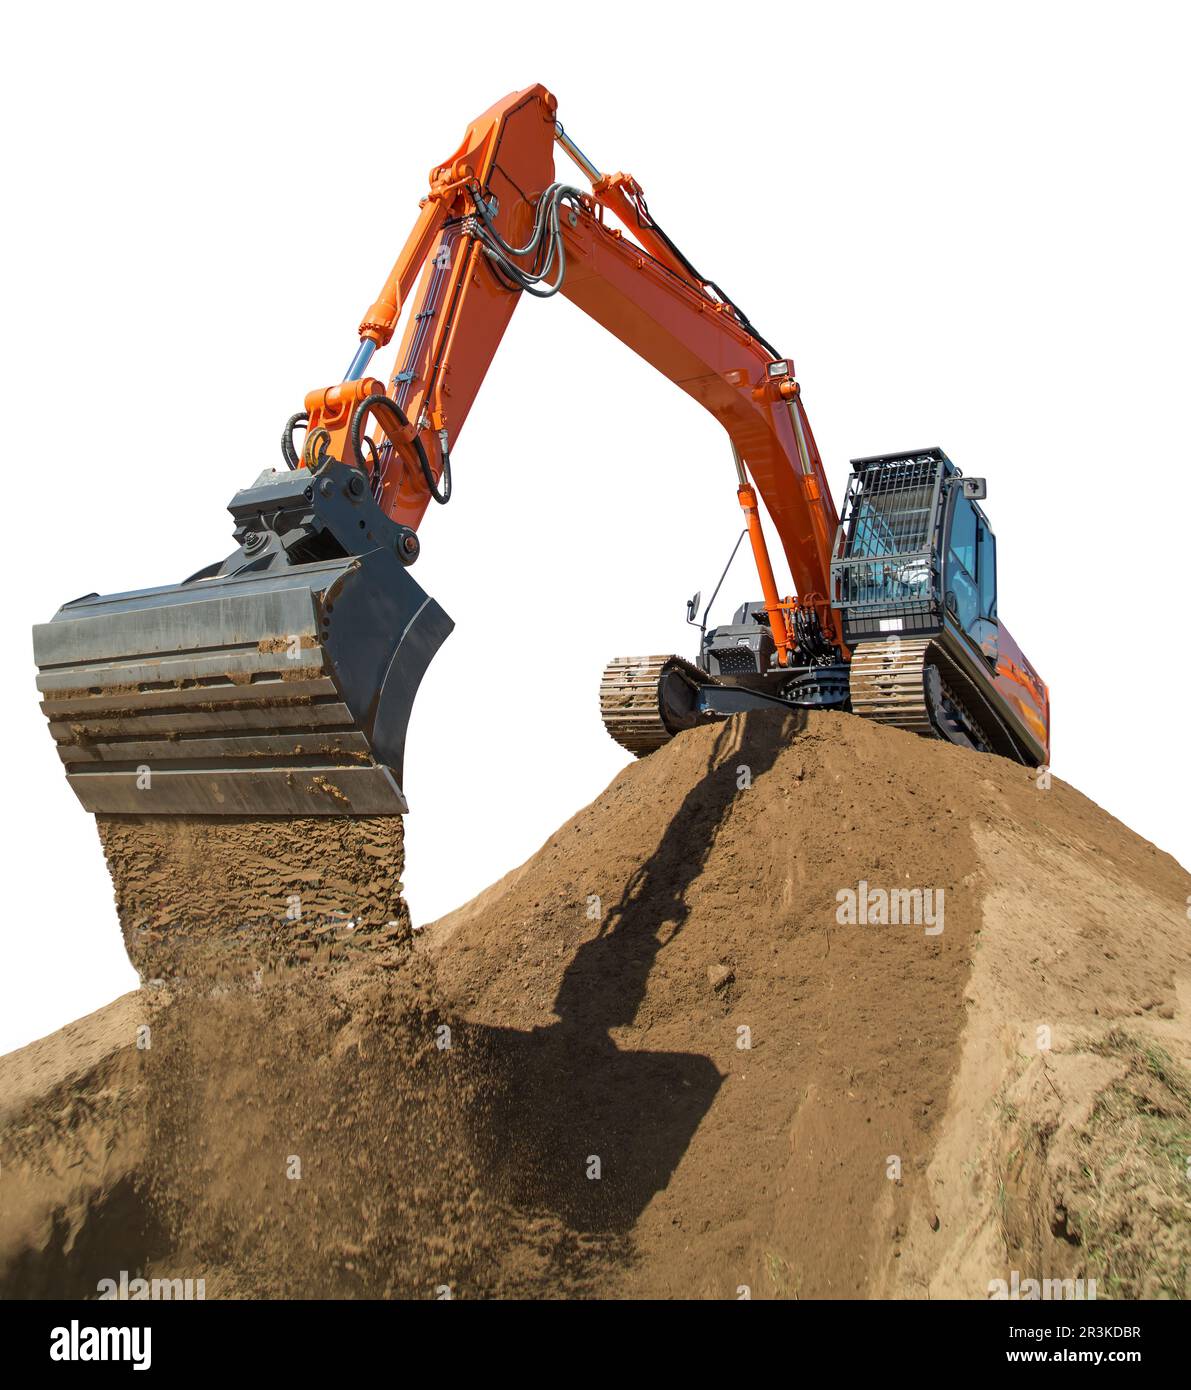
(794,1009)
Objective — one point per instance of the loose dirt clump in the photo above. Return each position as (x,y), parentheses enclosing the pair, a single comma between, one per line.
(793,1009)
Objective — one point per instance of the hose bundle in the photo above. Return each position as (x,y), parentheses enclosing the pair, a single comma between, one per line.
(545,246)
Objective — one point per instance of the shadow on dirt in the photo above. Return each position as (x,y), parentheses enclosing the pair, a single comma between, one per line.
(570,1098)
(112,1230)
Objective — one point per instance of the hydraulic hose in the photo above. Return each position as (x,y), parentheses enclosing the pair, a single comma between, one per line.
(534,279)
(379,402)
(288,452)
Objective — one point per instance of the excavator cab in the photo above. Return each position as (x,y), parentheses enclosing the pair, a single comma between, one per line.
(886,571)
(914,578)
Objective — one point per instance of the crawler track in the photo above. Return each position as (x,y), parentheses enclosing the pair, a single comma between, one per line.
(915,685)
(631,700)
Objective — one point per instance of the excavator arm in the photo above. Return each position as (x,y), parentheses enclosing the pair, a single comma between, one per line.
(280,680)
(482,206)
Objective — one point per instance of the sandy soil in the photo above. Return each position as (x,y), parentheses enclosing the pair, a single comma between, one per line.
(656,1060)
(227,895)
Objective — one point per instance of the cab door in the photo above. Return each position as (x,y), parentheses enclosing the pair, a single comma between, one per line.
(970,575)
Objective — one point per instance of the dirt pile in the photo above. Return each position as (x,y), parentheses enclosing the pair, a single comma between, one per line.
(281,1110)
(911,1111)
(791,1011)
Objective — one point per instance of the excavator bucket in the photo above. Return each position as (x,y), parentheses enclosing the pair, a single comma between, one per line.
(278,683)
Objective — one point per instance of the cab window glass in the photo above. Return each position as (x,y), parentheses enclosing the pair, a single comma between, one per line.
(963,535)
(961,565)
(988,573)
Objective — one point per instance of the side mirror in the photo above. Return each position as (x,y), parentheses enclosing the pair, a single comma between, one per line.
(692,606)
(976,489)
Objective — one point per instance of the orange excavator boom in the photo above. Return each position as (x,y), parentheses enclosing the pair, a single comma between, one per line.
(280,680)
(630,279)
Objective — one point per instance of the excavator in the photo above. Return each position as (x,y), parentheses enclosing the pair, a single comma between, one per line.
(280,680)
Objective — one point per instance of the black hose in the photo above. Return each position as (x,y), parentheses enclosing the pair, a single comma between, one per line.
(379,402)
(652,223)
(545,243)
(288,452)
(374,456)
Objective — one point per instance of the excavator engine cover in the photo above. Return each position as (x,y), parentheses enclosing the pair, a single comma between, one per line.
(279,682)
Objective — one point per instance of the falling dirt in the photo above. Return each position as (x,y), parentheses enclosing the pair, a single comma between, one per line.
(227,895)
(786,1012)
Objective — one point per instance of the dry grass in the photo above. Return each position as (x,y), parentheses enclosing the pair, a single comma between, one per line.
(1130,1199)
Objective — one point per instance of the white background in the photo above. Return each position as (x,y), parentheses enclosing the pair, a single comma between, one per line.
(968,225)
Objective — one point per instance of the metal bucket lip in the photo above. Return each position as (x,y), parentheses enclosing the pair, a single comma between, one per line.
(369,790)
(130,600)
(238,611)
(205,698)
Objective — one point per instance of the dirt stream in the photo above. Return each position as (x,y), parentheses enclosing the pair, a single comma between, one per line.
(655,1060)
